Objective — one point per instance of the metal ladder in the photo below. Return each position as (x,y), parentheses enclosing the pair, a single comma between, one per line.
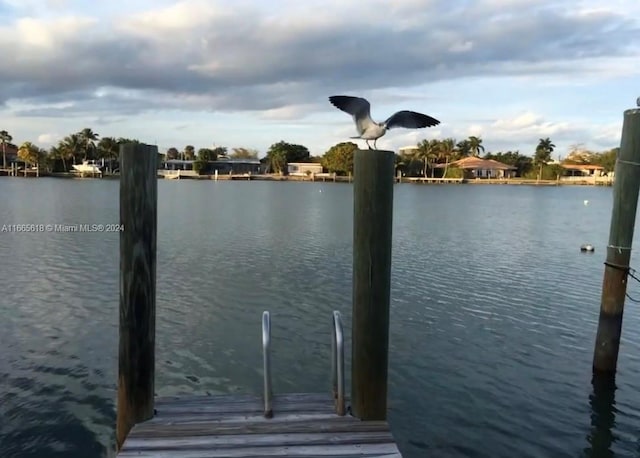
(337,364)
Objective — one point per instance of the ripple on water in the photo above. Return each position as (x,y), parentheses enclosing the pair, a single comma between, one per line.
(493,312)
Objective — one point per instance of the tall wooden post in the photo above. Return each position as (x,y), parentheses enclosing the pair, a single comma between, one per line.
(623,217)
(138,217)
(372,227)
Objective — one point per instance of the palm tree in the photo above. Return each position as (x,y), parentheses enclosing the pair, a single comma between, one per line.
(277,161)
(73,146)
(475,145)
(446,151)
(464,148)
(109,149)
(57,152)
(88,138)
(543,153)
(30,154)
(425,152)
(4,138)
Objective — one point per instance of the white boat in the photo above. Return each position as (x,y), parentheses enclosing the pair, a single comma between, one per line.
(172,174)
(88,167)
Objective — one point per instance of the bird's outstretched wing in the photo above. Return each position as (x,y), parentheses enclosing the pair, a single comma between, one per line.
(410,120)
(358,107)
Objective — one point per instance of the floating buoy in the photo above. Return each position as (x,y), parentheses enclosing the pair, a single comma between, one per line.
(586,202)
(587,248)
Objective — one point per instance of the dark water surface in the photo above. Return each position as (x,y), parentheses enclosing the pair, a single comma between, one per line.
(494,311)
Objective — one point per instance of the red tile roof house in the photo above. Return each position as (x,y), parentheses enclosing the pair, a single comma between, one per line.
(476,167)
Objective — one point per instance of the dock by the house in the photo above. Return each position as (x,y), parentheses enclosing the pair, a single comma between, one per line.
(235,426)
(433,180)
(322,425)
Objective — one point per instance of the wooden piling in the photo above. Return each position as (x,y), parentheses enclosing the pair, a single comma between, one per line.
(372,227)
(138,217)
(623,216)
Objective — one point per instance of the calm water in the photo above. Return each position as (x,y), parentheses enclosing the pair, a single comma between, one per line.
(494,312)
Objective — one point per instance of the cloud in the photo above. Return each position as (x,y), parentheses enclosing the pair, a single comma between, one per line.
(208,56)
(170,61)
(48,139)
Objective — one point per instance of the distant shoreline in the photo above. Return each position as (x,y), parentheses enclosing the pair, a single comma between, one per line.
(574,181)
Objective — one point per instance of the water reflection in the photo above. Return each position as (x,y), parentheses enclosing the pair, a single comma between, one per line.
(603,417)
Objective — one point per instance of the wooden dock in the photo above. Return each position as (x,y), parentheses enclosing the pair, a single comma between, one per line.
(235,426)
(298,425)
(424,180)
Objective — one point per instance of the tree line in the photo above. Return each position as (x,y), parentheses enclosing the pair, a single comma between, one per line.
(431,157)
(428,157)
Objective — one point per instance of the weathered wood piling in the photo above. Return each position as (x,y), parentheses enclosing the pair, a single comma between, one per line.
(616,271)
(372,231)
(136,353)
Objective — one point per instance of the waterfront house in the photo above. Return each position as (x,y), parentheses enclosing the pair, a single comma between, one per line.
(224,166)
(304,168)
(11,153)
(583,170)
(586,174)
(177,164)
(475,167)
(235,166)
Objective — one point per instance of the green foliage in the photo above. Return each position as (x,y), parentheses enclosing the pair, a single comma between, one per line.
(453,172)
(31,154)
(339,158)
(207,154)
(88,140)
(219,151)
(123,140)
(243,153)
(277,161)
(282,153)
(427,153)
(607,159)
(552,172)
(5,138)
(464,148)
(545,172)
(108,148)
(189,153)
(543,151)
(408,165)
(475,145)
(200,166)
(173,153)
(523,164)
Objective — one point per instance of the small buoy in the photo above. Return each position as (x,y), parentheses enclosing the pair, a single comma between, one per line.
(586,202)
(587,247)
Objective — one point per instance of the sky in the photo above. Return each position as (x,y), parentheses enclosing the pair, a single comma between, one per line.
(252,73)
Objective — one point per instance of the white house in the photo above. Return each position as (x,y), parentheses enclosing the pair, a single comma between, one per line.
(304,168)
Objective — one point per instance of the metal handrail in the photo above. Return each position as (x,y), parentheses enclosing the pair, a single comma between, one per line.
(266,364)
(337,363)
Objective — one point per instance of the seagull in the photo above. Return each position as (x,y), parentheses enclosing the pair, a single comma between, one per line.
(368,129)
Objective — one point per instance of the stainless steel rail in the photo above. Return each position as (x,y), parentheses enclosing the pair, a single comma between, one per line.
(266,364)
(337,363)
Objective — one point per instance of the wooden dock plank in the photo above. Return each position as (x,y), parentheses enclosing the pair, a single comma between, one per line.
(333,425)
(303,425)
